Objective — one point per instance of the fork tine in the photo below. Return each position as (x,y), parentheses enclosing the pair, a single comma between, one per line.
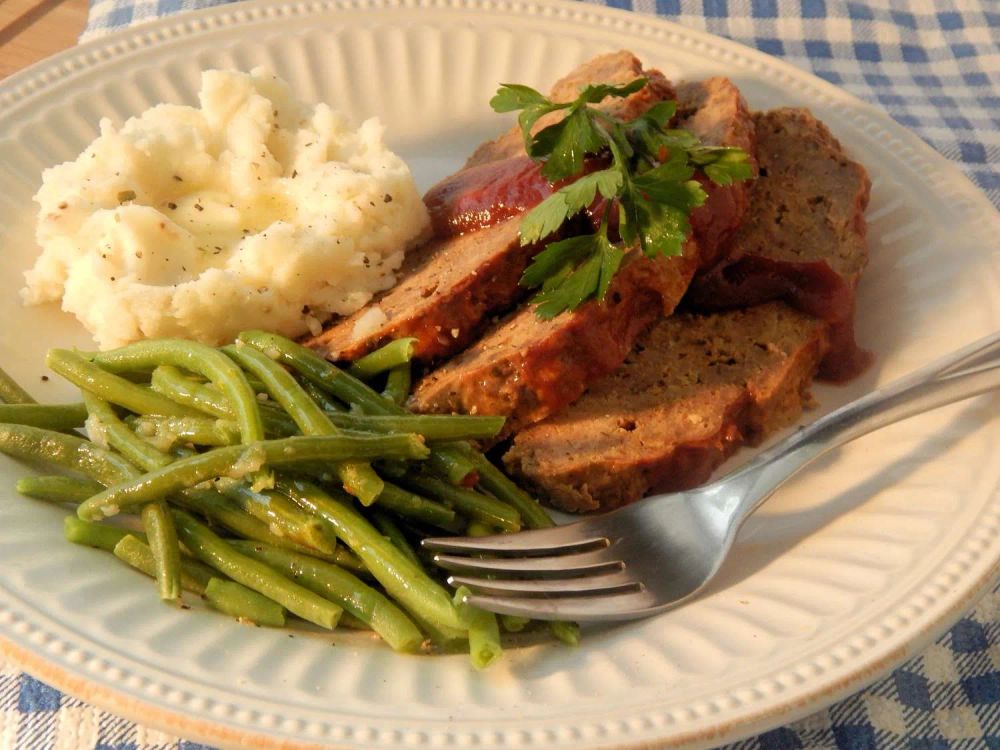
(594,608)
(556,541)
(616,583)
(563,566)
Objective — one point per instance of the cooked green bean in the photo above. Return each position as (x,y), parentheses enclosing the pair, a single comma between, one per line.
(567,632)
(350,390)
(478,528)
(393,354)
(48,416)
(484,632)
(159,526)
(410,505)
(358,477)
(136,553)
(240,460)
(372,608)
(65,451)
(397,384)
(165,432)
(404,581)
(213,551)
(58,489)
(475,505)
(93,535)
(220,510)
(238,601)
(392,532)
(89,377)
(323,401)
(11,392)
(431,426)
(496,482)
(448,461)
(283,517)
(171,382)
(513,623)
(105,427)
(197,358)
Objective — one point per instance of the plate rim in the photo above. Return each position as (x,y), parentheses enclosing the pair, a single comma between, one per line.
(23,86)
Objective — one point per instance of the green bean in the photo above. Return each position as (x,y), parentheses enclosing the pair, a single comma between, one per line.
(93,535)
(403,580)
(358,477)
(159,526)
(567,632)
(58,489)
(397,384)
(393,354)
(66,451)
(170,382)
(49,416)
(431,426)
(89,377)
(324,402)
(136,553)
(513,623)
(410,505)
(392,532)
(348,389)
(108,428)
(497,483)
(165,432)
(448,461)
(478,528)
(283,517)
(240,460)
(484,632)
(11,392)
(243,603)
(198,358)
(213,551)
(479,507)
(372,608)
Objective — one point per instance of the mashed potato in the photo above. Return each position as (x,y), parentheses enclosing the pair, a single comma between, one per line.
(252,211)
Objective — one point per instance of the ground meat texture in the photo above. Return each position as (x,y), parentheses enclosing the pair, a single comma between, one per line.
(694,389)
(804,239)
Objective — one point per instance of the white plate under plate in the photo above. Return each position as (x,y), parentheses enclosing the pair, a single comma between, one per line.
(850,569)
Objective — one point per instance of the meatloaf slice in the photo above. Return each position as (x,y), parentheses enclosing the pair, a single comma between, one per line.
(615,68)
(693,390)
(448,287)
(715,111)
(804,239)
(526,368)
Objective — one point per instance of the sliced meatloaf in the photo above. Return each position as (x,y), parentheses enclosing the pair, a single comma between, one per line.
(615,68)
(526,368)
(693,390)
(450,286)
(715,111)
(804,239)
(447,288)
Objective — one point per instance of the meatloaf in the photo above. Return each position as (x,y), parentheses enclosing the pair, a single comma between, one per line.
(716,112)
(804,238)
(527,368)
(694,389)
(451,285)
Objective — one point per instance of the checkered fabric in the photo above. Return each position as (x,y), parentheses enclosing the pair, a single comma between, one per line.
(935,68)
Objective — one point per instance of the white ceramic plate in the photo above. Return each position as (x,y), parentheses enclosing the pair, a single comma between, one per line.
(853,567)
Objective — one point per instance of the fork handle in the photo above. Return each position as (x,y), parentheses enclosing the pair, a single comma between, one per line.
(963,374)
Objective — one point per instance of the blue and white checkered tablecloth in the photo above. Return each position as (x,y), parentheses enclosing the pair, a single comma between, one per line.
(932,65)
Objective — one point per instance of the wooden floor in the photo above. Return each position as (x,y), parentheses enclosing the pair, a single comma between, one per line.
(31,30)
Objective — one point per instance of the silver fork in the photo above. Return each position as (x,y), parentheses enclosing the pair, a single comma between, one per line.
(657,553)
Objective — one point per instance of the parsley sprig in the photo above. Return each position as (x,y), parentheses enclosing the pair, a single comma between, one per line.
(648,183)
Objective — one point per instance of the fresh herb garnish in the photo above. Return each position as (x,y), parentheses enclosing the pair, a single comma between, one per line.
(647,187)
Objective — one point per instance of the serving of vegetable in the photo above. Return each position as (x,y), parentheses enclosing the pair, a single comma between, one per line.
(272,483)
